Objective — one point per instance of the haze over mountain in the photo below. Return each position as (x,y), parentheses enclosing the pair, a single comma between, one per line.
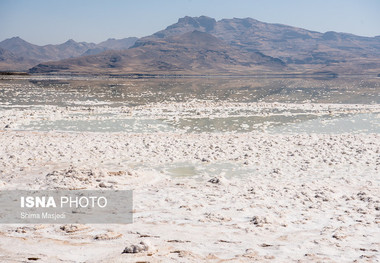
(111,44)
(8,60)
(190,53)
(26,55)
(247,41)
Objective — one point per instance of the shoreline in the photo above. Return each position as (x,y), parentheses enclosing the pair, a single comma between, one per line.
(317,75)
(214,179)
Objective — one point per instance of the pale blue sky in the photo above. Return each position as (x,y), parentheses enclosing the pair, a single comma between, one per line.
(55,21)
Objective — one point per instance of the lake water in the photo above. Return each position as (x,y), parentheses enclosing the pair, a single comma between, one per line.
(102,104)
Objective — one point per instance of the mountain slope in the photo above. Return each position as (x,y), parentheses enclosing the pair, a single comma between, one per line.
(298,47)
(190,53)
(27,50)
(118,44)
(29,55)
(111,44)
(249,40)
(7,58)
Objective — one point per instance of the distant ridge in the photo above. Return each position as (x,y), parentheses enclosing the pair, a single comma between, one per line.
(27,50)
(190,53)
(111,44)
(300,48)
(297,50)
(27,55)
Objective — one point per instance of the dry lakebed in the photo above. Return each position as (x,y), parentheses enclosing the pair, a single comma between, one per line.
(290,175)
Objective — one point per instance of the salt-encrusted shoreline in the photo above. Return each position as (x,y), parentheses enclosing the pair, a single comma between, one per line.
(14,116)
(310,197)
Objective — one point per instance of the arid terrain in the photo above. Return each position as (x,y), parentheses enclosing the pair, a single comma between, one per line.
(222,170)
(203,46)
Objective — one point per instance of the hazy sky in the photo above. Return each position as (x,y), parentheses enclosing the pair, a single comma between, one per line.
(55,21)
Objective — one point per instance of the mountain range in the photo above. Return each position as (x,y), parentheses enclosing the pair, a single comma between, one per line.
(20,55)
(189,53)
(202,45)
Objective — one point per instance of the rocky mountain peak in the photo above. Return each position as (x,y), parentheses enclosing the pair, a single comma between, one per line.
(205,22)
(70,42)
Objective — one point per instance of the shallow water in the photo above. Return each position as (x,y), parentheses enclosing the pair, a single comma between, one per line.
(66,91)
(112,125)
(110,94)
(152,106)
(205,169)
(359,123)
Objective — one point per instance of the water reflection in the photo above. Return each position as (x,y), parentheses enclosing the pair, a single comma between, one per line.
(117,92)
(112,93)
